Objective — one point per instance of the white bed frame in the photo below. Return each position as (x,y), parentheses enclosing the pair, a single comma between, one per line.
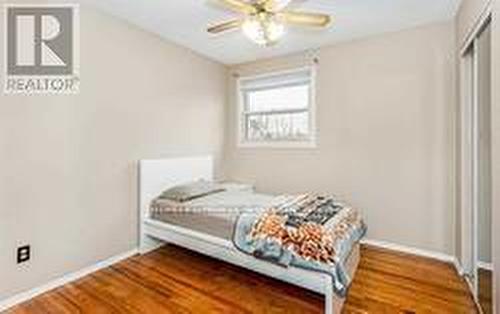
(157,175)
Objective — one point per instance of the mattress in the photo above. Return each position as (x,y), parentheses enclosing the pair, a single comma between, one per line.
(216,214)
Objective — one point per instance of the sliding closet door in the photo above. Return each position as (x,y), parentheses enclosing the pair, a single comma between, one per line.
(476,165)
(484,111)
(466,163)
(484,167)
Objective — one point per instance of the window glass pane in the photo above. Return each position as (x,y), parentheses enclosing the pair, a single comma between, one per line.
(282,98)
(277,126)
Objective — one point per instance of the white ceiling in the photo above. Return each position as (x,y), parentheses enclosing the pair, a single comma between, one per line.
(184,22)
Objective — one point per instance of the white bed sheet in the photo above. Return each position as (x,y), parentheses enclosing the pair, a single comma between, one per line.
(215,214)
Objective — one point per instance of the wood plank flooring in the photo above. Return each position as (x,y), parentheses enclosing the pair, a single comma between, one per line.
(174,280)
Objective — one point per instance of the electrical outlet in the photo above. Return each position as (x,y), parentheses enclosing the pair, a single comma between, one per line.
(23,254)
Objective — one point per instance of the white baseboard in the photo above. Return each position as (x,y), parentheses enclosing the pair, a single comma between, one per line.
(458,267)
(27,295)
(411,250)
(416,251)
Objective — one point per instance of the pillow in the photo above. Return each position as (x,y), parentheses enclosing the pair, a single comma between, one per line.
(190,191)
(236,186)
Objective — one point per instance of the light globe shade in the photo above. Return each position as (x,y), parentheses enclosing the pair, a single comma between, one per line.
(264,30)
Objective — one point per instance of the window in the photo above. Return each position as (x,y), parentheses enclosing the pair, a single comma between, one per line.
(277,109)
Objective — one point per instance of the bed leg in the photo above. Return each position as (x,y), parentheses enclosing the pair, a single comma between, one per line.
(329,296)
(148,244)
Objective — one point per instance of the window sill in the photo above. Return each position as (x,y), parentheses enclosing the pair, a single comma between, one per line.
(279,144)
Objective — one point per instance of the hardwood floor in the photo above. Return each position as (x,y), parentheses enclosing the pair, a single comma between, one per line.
(174,280)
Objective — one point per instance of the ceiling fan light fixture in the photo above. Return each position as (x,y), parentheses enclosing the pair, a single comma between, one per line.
(264,29)
(264,21)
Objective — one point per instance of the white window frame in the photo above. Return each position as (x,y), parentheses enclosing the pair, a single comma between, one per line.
(310,142)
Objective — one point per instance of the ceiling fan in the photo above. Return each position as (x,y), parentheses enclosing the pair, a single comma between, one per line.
(265,20)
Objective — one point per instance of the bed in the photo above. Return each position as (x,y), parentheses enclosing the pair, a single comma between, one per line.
(210,233)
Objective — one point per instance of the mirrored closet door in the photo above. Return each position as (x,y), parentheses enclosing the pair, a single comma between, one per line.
(476,163)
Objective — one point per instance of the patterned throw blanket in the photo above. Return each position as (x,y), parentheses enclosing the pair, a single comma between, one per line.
(309,231)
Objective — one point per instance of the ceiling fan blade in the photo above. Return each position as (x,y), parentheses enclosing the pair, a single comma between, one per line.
(306,18)
(238,6)
(275,5)
(225,26)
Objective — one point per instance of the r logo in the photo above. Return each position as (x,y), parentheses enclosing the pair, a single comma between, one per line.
(40,41)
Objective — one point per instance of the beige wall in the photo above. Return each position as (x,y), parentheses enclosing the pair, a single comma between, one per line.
(67,163)
(385,134)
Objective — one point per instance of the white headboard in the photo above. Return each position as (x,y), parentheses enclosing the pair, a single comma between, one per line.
(157,175)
